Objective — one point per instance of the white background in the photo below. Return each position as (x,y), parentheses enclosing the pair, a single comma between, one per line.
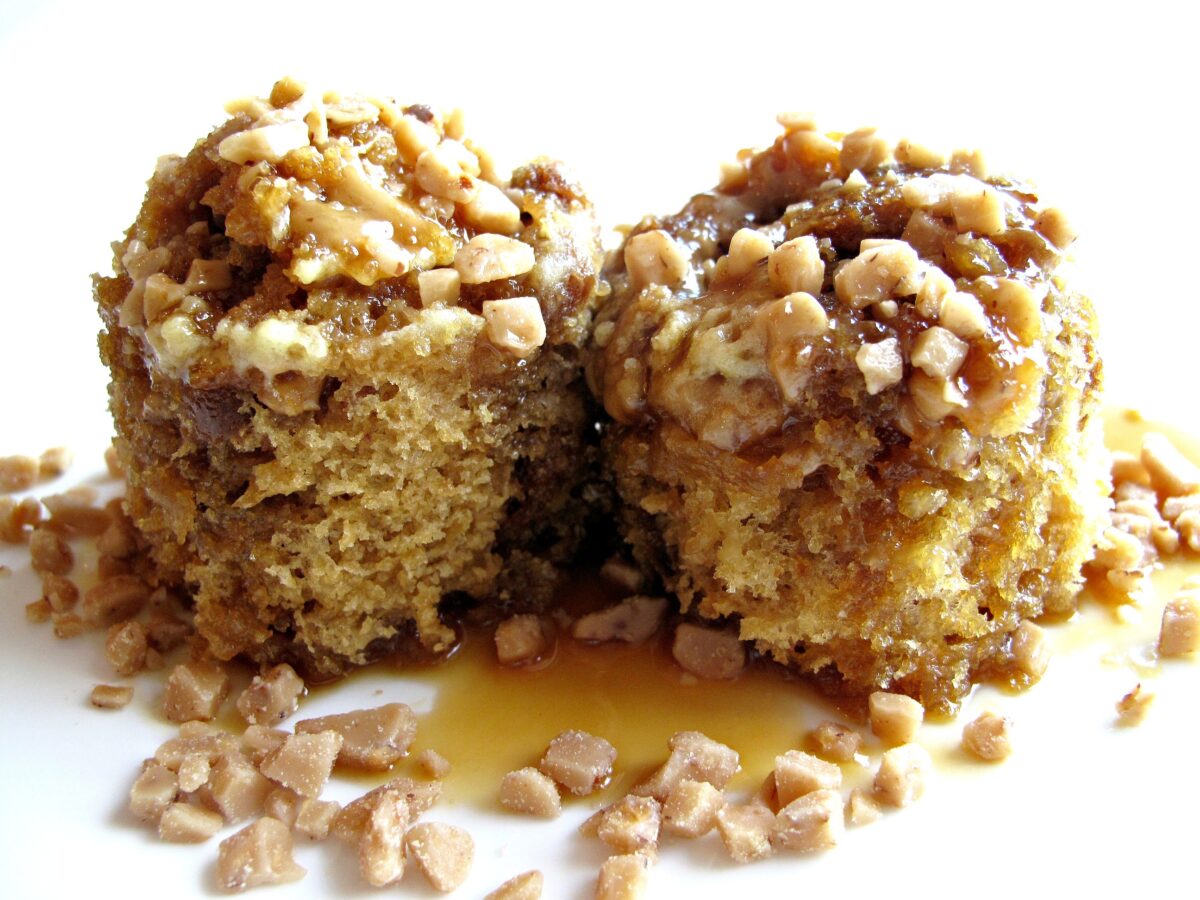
(1095,103)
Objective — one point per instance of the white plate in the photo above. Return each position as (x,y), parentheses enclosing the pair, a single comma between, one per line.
(644,102)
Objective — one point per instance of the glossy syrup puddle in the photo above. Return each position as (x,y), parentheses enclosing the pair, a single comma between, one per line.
(488,719)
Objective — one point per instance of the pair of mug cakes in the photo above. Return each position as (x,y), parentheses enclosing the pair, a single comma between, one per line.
(842,402)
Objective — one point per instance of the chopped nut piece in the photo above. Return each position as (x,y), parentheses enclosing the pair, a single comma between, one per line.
(449,170)
(416,796)
(747,248)
(631,824)
(119,540)
(902,773)
(855,182)
(1030,651)
(579,761)
(798,773)
(154,790)
(259,854)
(282,804)
(938,353)
(268,143)
(1132,708)
(882,271)
(979,209)
(16,517)
(709,653)
(17,473)
(864,149)
(1117,549)
(796,121)
(515,324)
(433,764)
(75,510)
(691,808)
(112,461)
(633,620)
(895,718)
(1184,514)
(653,257)
(623,574)
(693,756)
(194,690)
(111,696)
(183,823)
(809,823)
(192,740)
(285,91)
(492,257)
(55,462)
(443,853)
(381,847)
(862,808)
(1170,471)
(439,287)
(304,761)
(272,696)
(531,792)
(374,738)
(881,364)
(962,314)
(746,831)
(165,632)
(61,593)
(237,788)
(258,742)
(314,818)
(910,154)
(796,315)
(66,625)
(113,600)
(1127,467)
(413,136)
(208,275)
(987,737)
(39,611)
(526,886)
(796,266)
(968,162)
(522,639)
(835,741)
(193,772)
(49,553)
(1180,632)
(126,646)
(491,210)
(1052,224)
(623,877)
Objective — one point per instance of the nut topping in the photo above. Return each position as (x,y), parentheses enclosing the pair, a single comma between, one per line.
(515,324)
(492,257)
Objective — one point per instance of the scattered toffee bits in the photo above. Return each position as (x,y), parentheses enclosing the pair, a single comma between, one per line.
(847,360)
(1155,515)
(325,321)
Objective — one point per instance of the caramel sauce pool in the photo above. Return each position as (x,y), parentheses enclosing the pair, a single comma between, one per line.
(488,720)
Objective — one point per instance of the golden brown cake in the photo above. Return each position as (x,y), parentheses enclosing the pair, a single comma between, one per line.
(346,377)
(855,411)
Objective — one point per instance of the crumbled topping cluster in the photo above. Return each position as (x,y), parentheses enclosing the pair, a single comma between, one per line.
(1156,514)
(940,309)
(345,194)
